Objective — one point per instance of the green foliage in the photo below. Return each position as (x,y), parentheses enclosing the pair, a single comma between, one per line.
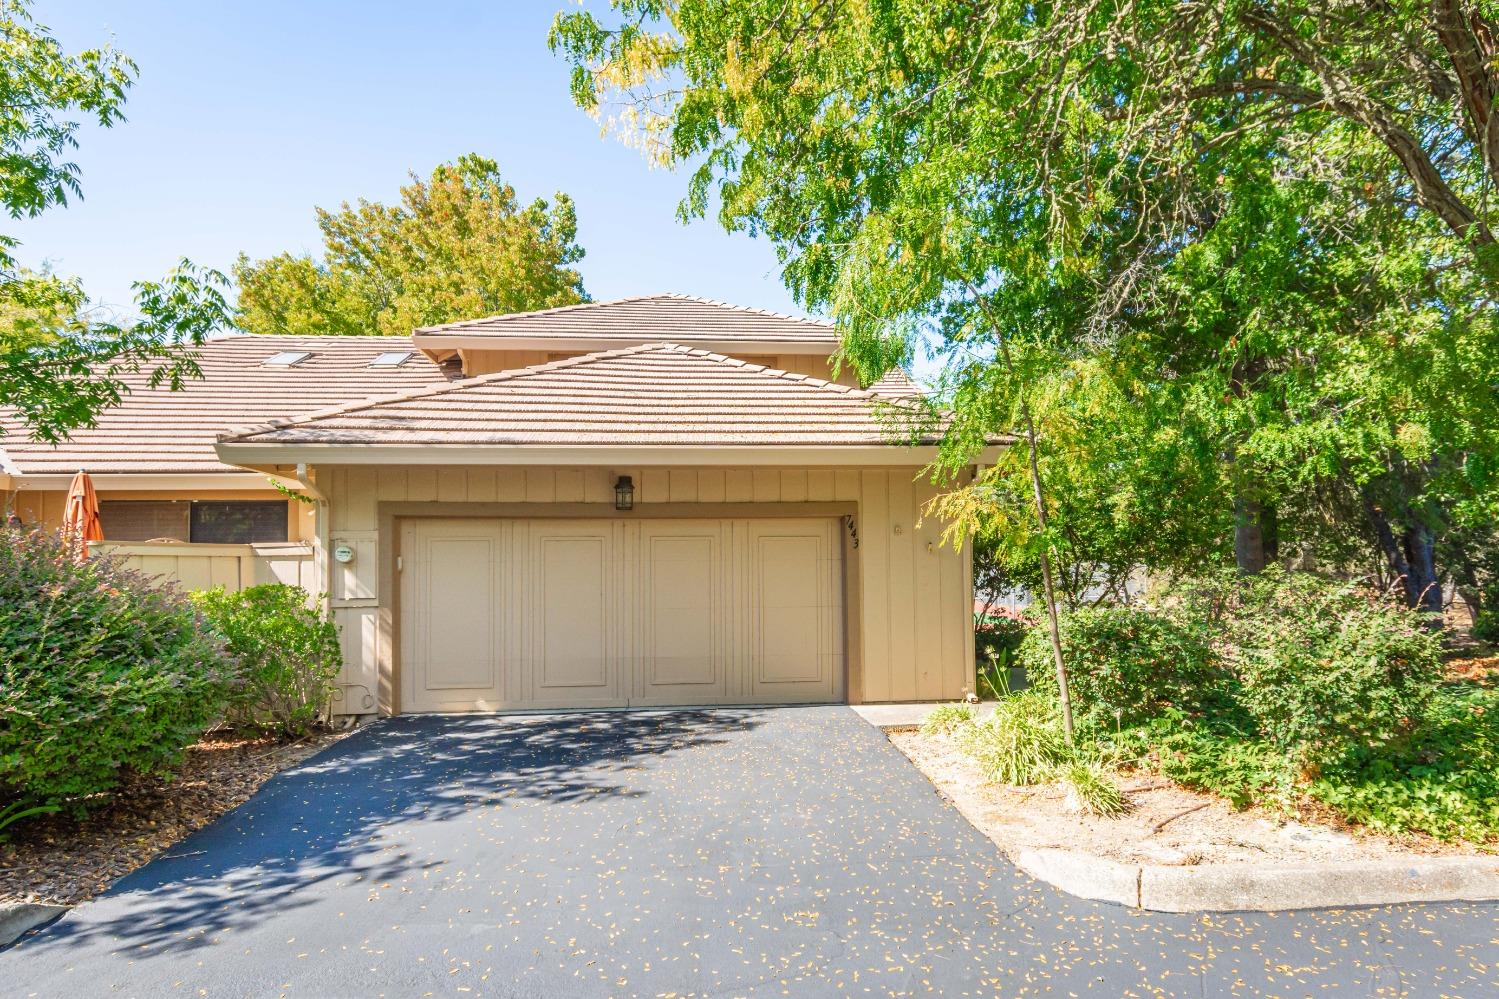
(997,636)
(1218,753)
(1443,782)
(945,719)
(288,655)
(1486,626)
(1235,252)
(100,671)
(1322,666)
(1092,790)
(60,365)
(1020,743)
(1125,663)
(459,245)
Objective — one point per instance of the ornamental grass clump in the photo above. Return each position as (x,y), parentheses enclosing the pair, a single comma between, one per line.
(1020,743)
(102,671)
(945,719)
(1092,790)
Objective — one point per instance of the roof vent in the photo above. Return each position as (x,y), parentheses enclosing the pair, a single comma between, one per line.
(286,358)
(391,358)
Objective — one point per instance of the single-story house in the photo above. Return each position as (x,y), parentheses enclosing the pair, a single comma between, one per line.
(660,500)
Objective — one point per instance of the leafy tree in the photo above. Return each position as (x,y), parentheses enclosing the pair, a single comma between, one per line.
(1245,250)
(459,245)
(60,365)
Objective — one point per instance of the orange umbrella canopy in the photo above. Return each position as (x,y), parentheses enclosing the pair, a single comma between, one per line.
(80,515)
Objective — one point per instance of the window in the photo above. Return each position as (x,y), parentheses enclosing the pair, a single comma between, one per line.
(391,359)
(238,522)
(286,358)
(144,520)
(223,522)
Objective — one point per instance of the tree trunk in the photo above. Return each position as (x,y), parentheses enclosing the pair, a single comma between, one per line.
(1411,557)
(1249,536)
(1422,587)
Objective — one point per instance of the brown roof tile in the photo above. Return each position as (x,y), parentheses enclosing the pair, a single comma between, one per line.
(646,318)
(648,395)
(160,431)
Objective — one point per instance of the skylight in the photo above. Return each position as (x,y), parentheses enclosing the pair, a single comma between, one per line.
(286,358)
(391,359)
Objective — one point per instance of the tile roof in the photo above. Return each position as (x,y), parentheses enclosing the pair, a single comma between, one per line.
(646,318)
(160,431)
(646,395)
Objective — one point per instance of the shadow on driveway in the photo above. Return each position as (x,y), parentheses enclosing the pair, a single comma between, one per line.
(329,822)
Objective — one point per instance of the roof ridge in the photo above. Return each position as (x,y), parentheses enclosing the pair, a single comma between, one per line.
(747,308)
(536,312)
(438,328)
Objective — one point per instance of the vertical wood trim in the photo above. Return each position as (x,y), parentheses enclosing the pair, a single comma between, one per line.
(541,485)
(767,486)
(452,485)
(902,599)
(710,485)
(421,484)
(874,548)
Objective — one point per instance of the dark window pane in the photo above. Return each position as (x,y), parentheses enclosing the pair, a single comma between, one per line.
(238,522)
(144,520)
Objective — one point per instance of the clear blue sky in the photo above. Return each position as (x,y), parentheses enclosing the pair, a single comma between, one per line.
(247,115)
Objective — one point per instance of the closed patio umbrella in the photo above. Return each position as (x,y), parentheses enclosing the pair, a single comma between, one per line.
(80,515)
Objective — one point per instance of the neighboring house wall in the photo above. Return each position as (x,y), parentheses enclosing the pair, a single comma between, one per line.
(484,362)
(909,597)
(196,566)
(43,508)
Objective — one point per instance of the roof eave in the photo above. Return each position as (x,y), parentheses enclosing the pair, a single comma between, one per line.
(245,453)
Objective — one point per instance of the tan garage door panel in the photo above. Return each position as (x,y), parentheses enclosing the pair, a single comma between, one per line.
(795,613)
(682,638)
(573,659)
(504,613)
(450,645)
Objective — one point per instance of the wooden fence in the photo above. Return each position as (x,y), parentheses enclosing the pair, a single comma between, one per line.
(202,567)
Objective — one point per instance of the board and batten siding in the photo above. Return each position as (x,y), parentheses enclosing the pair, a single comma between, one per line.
(910,596)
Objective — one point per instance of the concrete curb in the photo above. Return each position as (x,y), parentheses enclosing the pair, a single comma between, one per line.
(1269,889)
(16,918)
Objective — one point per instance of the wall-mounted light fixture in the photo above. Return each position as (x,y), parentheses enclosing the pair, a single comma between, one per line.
(624,493)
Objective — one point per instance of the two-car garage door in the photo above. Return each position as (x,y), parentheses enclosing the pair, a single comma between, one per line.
(554,613)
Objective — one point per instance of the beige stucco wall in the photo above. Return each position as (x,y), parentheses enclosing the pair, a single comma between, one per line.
(484,362)
(909,597)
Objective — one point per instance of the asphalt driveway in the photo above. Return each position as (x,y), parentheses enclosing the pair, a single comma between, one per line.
(725,852)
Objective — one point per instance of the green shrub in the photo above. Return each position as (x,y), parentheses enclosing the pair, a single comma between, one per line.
(1124,663)
(1486,627)
(997,637)
(100,670)
(1092,790)
(945,719)
(288,655)
(1323,667)
(1020,743)
(1443,782)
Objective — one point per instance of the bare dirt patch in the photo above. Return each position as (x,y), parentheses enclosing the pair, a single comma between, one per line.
(1166,824)
(62,860)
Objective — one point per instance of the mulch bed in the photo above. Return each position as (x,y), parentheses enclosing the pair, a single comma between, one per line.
(63,860)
